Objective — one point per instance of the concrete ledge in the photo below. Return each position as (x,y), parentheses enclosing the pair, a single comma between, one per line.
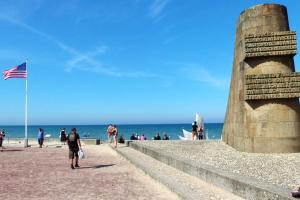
(155,176)
(246,187)
(184,185)
(127,142)
(91,141)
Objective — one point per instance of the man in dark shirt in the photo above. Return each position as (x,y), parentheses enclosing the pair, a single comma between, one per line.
(63,136)
(157,137)
(74,144)
(2,135)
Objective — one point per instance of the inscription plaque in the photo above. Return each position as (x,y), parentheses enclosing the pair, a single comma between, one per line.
(272,86)
(270,44)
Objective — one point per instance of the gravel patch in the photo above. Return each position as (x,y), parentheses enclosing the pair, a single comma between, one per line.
(278,169)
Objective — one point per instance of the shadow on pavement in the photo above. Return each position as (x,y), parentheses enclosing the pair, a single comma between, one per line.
(97,166)
(4,150)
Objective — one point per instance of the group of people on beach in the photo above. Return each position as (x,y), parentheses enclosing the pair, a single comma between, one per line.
(138,137)
(157,137)
(197,131)
(143,137)
(73,141)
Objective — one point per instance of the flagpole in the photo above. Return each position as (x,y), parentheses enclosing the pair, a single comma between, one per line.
(26,110)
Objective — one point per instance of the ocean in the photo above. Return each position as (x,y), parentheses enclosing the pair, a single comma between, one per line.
(213,130)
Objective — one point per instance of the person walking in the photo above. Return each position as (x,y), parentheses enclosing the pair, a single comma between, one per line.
(110,132)
(201,133)
(74,144)
(2,135)
(63,136)
(41,137)
(194,130)
(115,133)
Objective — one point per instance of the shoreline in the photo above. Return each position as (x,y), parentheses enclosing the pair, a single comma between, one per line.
(33,142)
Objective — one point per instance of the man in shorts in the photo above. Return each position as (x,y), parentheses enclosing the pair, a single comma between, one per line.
(74,144)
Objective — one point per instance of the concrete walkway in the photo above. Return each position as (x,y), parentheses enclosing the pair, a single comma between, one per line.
(186,186)
(35,173)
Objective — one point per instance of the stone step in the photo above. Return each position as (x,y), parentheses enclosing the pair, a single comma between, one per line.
(245,187)
(184,185)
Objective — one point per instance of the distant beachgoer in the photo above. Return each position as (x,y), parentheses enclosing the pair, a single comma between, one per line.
(200,133)
(142,137)
(157,137)
(74,144)
(115,134)
(110,132)
(2,135)
(63,136)
(194,130)
(166,137)
(41,137)
(121,139)
(132,137)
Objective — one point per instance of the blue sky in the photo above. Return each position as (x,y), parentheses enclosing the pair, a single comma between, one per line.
(129,61)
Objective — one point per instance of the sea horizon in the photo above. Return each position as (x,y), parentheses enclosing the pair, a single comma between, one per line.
(133,124)
(99,131)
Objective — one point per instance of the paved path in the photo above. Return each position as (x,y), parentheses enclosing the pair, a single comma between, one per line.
(35,173)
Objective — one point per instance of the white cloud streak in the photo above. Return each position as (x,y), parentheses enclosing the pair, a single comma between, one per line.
(200,74)
(85,62)
(197,73)
(157,7)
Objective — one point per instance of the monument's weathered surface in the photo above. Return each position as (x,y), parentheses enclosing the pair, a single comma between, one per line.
(263,111)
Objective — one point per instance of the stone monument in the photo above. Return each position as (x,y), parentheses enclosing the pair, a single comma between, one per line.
(263,111)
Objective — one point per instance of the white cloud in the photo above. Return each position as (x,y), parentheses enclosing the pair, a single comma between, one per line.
(200,74)
(170,39)
(157,7)
(85,62)
(197,73)
(19,9)
(79,59)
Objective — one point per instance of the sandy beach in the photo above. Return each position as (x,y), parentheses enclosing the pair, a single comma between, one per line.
(35,173)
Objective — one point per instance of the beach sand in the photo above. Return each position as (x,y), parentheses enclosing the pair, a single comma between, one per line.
(44,173)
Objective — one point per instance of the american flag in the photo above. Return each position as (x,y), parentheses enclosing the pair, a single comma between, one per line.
(16,72)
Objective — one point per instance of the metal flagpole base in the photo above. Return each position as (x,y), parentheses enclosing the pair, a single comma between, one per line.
(25,142)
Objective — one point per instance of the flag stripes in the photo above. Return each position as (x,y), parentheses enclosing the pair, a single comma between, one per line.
(16,72)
